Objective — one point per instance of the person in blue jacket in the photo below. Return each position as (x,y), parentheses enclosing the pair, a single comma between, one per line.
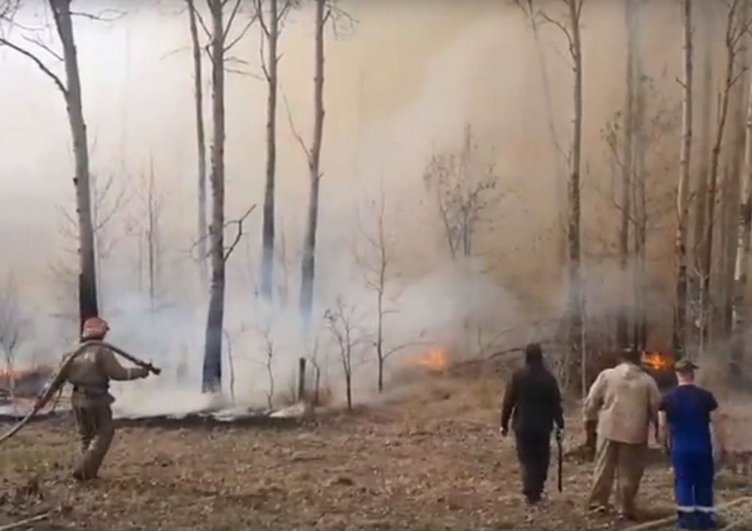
(686,412)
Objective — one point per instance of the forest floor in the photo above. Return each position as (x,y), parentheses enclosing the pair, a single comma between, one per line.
(431,461)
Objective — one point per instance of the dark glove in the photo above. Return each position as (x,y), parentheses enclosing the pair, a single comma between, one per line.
(559,434)
(591,438)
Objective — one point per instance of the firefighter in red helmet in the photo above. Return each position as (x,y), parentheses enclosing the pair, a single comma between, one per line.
(90,372)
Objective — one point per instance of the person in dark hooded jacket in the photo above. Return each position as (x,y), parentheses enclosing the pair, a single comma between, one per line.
(532,401)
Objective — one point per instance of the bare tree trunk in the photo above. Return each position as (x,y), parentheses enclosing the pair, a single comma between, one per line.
(98,238)
(380,340)
(212,373)
(301,380)
(744,244)
(728,237)
(640,185)
(576,295)
(271,69)
(622,331)
(560,233)
(715,155)
(200,141)
(87,280)
(151,235)
(348,379)
(638,272)
(682,194)
(383,264)
(695,280)
(732,184)
(308,262)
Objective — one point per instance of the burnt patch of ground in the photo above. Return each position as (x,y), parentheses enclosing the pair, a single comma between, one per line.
(434,461)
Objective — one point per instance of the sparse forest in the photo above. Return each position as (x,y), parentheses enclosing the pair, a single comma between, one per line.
(327,204)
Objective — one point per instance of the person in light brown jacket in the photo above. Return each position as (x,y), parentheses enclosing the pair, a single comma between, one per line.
(622,404)
(90,373)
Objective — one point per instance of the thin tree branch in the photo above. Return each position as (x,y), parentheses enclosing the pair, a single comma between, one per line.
(294,130)
(242,34)
(108,15)
(202,23)
(38,42)
(231,18)
(38,62)
(239,234)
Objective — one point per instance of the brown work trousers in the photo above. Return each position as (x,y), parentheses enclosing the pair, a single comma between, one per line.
(623,462)
(95,429)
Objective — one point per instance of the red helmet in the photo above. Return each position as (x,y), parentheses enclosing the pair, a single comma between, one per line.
(94,328)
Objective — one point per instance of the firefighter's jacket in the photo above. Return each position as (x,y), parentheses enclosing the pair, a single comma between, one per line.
(624,400)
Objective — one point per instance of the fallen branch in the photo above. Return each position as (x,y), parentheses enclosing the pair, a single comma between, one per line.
(26,522)
(655,524)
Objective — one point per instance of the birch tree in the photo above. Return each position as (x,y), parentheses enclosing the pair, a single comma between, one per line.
(744,245)
(308,261)
(220,43)
(706,22)
(198,98)
(577,360)
(682,189)
(639,196)
(736,28)
(271,20)
(731,186)
(64,53)
(626,166)
(529,9)
(576,291)
(324,12)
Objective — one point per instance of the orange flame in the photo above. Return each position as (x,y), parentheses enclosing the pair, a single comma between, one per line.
(8,375)
(435,360)
(659,361)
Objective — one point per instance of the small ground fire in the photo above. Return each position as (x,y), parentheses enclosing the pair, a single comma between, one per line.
(23,382)
(435,360)
(659,361)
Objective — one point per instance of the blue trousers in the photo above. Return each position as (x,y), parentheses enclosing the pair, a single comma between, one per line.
(694,472)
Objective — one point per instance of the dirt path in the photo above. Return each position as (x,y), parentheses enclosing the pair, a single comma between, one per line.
(435,463)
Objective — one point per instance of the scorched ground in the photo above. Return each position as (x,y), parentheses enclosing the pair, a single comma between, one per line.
(433,461)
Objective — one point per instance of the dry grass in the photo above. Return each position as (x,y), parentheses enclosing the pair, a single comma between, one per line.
(433,461)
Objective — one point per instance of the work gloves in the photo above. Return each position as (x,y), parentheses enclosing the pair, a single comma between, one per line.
(591,438)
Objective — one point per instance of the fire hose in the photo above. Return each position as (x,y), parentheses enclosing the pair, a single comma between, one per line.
(57,380)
